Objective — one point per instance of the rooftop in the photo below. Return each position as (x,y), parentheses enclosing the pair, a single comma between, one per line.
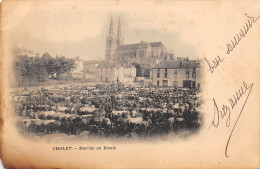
(136,45)
(113,65)
(91,62)
(172,64)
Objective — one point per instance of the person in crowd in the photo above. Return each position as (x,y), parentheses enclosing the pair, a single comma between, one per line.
(146,111)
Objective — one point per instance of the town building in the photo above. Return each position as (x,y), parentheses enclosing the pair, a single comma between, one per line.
(89,70)
(116,73)
(177,73)
(85,70)
(77,73)
(23,52)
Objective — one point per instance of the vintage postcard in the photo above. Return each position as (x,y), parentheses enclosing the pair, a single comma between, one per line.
(130,84)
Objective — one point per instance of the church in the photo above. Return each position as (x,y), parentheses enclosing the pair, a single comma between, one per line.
(122,60)
(141,53)
(147,63)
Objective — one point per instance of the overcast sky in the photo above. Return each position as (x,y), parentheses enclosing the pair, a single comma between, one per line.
(80,28)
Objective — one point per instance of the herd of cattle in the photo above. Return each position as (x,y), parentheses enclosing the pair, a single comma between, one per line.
(107,110)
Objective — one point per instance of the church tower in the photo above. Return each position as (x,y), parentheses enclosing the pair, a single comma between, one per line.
(110,44)
(119,38)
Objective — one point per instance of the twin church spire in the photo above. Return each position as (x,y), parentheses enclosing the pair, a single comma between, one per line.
(118,39)
(119,29)
(111,28)
(112,41)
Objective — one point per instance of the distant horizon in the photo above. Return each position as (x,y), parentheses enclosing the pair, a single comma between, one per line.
(82,31)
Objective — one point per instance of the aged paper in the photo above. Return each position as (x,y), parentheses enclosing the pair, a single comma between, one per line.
(155,84)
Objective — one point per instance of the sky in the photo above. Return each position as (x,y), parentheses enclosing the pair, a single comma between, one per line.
(79,28)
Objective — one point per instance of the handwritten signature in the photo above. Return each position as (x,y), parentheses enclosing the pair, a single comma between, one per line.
(213,64)
(241,34)
(226,110)
(216,63)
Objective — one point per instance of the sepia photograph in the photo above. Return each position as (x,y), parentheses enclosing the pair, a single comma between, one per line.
(87,81)
(138,89)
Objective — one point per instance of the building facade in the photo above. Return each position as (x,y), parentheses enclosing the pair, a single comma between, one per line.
(177,73)
(77,73)
(141,53)
(116,73)
(89,70)
(85,70)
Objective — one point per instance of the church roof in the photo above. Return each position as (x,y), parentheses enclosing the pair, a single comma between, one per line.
(134,46)
(128,46)
(156,44)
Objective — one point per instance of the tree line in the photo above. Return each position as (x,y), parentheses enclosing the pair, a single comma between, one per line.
(142,71)
(41,68)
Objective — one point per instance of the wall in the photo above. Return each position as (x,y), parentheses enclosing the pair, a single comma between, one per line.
(181,76)
(123,74)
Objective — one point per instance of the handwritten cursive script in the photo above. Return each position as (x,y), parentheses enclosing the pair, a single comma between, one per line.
(243,31)
(214,64)
(224,113)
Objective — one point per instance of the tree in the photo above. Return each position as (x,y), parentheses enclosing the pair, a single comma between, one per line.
(147,72)
(49,63)
(138,70)
(23,67)
(63,65)
(39,69)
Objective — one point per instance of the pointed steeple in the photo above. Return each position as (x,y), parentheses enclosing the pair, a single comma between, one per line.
(119,38)
(111,29)
(119,29)
(110,43)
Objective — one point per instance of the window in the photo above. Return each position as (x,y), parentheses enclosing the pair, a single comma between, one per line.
(158,73)
(165,83)
(187,73)
(106,79)
(158,83)
(101,78)
(194,73)
(175,73)
(175,84)
(165,73)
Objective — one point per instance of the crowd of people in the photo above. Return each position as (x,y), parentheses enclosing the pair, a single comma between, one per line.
(109,110)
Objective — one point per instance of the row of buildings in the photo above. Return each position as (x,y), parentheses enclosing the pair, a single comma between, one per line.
(146,63)
(180,72)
